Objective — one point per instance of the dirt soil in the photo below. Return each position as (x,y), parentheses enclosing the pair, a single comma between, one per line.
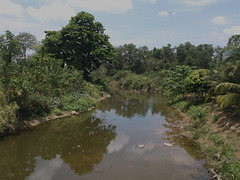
(225,125)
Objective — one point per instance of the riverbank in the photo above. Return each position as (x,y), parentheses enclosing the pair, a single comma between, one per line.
(34,122)
(218,134)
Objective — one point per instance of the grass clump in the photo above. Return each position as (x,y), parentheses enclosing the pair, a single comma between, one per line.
(216,139)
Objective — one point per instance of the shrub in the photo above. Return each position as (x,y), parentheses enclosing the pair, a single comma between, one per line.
(198,115)
(7,114)
(75,103)
(33,105)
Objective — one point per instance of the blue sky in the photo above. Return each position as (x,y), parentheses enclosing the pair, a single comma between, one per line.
(153,23)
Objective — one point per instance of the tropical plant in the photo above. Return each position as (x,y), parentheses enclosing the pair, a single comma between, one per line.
(175,80)
(229,90)
(197,83)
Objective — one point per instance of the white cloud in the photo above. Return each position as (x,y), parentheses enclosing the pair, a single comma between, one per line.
(163,13)
(112,6)
(220,20)
(151,1)
(10,9)
(226,34)
(118,143)
(233,30)
(46,169)
(198,2)
(11,16)
(54,11)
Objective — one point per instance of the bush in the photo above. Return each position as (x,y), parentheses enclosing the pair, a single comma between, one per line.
(33,105)
(57,112)
(182,105)
(129,80)
(76,103)
(7,114)
(198,115)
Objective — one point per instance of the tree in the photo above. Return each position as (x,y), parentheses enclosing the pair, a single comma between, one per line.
(229,89)
(181,54)
(26,41)
(82,43)
(9,50)
(175,80)
(234,40)
(197,83)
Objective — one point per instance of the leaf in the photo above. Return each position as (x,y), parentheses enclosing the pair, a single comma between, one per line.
(227,87)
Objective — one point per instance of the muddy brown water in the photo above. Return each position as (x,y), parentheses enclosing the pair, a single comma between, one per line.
(103,145)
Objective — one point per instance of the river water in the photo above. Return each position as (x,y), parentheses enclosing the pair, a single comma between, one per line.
(103,145)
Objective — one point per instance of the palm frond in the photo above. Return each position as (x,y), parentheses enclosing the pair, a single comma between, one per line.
(227,87)
(236,73)
(228,100)
(229,69)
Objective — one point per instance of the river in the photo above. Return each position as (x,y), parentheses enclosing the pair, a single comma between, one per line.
(103,145)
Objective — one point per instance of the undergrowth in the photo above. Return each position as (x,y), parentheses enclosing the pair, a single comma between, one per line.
(219,150)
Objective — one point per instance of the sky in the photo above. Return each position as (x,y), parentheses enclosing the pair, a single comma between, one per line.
(152,23)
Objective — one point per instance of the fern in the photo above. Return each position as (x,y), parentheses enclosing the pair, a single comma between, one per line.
(228,100)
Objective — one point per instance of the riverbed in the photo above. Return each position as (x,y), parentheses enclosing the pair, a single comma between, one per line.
(125,137)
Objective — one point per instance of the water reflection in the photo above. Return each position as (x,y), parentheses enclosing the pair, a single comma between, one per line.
(80,142)
(103,144)
(128,104)
(46,169)
(118,143)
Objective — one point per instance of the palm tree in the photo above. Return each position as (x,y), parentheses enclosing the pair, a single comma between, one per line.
(229,90)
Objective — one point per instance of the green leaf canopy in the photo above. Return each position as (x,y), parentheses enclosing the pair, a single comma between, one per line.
(82,43)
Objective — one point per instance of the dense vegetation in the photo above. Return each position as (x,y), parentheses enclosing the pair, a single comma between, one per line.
(53,79)
(56,78)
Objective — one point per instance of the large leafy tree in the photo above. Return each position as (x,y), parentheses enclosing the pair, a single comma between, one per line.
(175,80)
(9,50)
(27,41)
(82,43)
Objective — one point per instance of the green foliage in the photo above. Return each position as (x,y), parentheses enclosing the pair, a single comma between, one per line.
(182,105)
(81,44)
(197,83)
(227,150)
(229,91)
(216,139)
(26,41)
(8,117)
(234,40)
(34,105)
(76,102)
(174,82)
(228,100)
(198,115)
(200,132)
(9,50)
(57,112)
(129,80)
(230,170)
